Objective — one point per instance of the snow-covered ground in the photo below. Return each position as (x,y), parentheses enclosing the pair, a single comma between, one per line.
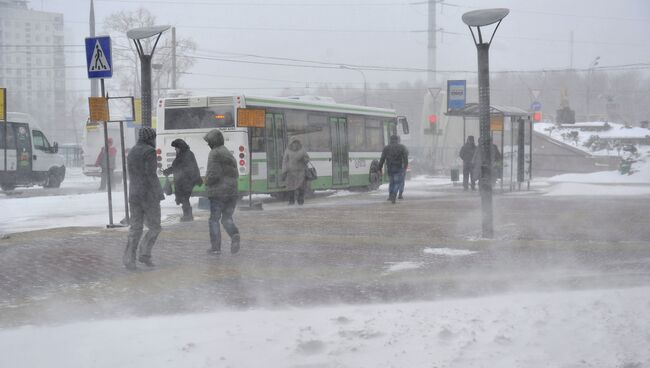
(86,209)
(577,136)
(596,328)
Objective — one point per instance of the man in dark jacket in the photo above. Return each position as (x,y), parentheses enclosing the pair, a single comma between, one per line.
(145,195)
(221,188)
(186,176)
(396,157)
(467,154)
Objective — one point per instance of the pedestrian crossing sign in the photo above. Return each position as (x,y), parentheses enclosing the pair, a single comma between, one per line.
(99,57)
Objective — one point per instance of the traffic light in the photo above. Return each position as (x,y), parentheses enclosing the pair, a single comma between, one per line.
(433,118)
(537,116)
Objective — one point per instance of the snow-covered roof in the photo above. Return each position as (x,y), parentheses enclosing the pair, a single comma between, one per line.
(472,110)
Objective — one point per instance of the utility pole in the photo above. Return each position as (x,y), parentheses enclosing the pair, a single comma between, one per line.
(173,58)
(571,51)
(94,88)
(431,45)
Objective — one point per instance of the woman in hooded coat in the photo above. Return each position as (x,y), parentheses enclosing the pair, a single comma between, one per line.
(186,176)
(294,165)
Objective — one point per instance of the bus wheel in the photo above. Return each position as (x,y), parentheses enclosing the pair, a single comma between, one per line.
(7,186)
(374,177)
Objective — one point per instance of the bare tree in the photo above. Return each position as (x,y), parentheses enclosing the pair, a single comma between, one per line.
(126,56)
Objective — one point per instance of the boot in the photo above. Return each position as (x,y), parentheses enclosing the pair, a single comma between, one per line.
(392,198)
(146,260)
(129,256)
(187,214)
(234,244)
(215,242)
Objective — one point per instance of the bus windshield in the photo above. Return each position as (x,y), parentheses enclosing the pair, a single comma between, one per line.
(199,118)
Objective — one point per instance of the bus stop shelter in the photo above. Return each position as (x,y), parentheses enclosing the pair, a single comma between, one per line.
(512,127)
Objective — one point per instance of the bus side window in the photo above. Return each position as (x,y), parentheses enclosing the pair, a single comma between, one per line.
(319,133)
(258,140)
(374,135)
(11,138)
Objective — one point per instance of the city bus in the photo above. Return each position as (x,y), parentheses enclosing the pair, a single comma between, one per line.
(344,142)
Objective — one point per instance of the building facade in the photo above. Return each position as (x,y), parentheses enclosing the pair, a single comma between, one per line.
(32,62)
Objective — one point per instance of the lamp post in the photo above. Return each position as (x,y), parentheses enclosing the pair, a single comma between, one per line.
(137,35)
(365,84)
(478,19)
(590,72)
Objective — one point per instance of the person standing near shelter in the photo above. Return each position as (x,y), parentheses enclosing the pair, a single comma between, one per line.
(467,155)
(221,188)
(495,161)
(294,166)
(396,157)
(145,194)
(101,162)
(186,176)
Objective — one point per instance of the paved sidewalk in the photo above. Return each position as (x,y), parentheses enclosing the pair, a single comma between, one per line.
(331,250)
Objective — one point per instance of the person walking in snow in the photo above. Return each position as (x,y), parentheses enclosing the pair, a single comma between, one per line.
(396,157)
(186,176)
(145,194)
(294,166)
(107,170)
(467,154)
(221,188)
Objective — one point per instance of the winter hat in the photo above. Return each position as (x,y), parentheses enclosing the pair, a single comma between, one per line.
(180,144)
(147,134)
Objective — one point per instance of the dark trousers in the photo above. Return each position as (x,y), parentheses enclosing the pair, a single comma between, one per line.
(298,194)
(468,176)
(401,184)
(222,209)
(142,214)
(102,183)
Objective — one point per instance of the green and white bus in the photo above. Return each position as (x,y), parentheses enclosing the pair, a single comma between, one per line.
(344,142)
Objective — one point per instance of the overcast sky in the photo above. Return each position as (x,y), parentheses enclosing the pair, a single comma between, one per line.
(535,35)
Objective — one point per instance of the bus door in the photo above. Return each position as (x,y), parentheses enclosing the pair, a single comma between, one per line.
(340,160)
(23,152)
(276,142)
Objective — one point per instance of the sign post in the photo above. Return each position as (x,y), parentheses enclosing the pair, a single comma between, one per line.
(251,118)
(3,118)
(99,63)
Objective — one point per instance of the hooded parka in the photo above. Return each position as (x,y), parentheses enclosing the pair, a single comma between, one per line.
(221,174)
(185,170)
(294,164)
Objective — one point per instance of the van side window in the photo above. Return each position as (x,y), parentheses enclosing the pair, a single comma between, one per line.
(40,142)
(11,139)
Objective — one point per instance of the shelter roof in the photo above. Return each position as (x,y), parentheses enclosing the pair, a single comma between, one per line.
(471,110)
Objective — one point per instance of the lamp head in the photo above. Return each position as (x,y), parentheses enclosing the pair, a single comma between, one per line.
(139,34)
(484,17)
(145,32)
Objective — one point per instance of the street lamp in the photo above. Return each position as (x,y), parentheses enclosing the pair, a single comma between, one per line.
(137,35)
(590,72)
(478,19)
(365,85)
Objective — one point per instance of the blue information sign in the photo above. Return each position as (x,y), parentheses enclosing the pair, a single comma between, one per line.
(456,94)
(536,106)
(98,57)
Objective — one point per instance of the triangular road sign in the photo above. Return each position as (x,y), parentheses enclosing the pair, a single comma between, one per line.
(98,60)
